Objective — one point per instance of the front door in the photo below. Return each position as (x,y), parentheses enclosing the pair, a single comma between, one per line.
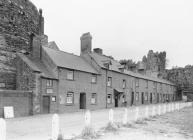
(132,98)
(82,100)
(158,98)
(142,98)
(116,101)
(46,104)
(151,98)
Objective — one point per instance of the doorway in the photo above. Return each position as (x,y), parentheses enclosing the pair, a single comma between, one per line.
(116,101)
(151,98)
(132,98)
(158,98)
(142,98)
(46,104)
(82,100)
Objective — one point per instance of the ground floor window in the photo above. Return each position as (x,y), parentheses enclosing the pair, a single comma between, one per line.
(109,98)
(70,98)
(93,98)
(154,96)
(53,98)
(146,96)
(137,96)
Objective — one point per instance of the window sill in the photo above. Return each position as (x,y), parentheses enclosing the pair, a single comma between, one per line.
(70,79)
(69,104)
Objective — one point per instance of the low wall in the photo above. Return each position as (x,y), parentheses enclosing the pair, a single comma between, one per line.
(20,100)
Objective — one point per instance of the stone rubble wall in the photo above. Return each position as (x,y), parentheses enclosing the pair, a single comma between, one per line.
(18,19)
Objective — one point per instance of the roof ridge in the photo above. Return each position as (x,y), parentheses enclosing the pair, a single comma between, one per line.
(63,51)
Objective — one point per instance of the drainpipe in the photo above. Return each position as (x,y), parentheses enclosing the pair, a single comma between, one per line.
(106,88)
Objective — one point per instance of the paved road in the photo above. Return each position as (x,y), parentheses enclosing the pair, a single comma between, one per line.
(39,127)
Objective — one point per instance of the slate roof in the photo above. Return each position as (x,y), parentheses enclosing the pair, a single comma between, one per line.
(115,65)
(70,61)
(37,66)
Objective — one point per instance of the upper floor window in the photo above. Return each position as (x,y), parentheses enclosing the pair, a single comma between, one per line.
(70,75)
(154,85)
(137,82)
(124,83)
(94,78)
(146,84)
(109,81)
(49,83)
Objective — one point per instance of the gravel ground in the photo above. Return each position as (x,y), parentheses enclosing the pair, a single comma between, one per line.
(176,125)
(171,126)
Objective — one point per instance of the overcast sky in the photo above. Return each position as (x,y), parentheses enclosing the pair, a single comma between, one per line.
(125,29)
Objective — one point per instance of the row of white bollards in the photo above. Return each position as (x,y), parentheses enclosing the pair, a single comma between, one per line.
(150,111)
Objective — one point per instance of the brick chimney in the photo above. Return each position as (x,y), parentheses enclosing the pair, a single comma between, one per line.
(41,23)
(86,43)
(98,51)
(37,43)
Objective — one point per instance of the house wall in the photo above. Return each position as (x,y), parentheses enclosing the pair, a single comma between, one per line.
(80,84)
(53,104)
(27,80)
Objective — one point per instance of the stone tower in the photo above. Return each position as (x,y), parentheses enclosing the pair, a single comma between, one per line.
(19,20)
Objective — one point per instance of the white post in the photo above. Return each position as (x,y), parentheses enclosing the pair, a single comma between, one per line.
(111,114)
(87,118)
(153,111)
(163,108)
(178,106)
(159,109)
(136,113)
(172,107)
(2,129)
(125,116)
(55,127)
(146,112)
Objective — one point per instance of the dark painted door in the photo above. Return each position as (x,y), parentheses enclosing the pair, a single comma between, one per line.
(132,98)
(151,98)
(142,98)
(82,100)
(158,98)
(46,104)
(116,101)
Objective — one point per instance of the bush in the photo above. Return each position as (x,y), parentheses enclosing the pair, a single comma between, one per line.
(88,133)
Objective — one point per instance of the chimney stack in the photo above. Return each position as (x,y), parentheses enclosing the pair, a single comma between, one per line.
(98,51)
(86,43)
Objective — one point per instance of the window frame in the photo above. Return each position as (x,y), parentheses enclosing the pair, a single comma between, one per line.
(70,103)
(124,84)
(137,96)
(93,76)
(49,83)
(136,82)
(95,97)
(146,84)
(111,98)
(68,72)
(109,81)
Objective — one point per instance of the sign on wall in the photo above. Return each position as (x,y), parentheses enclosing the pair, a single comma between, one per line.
(8,112)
